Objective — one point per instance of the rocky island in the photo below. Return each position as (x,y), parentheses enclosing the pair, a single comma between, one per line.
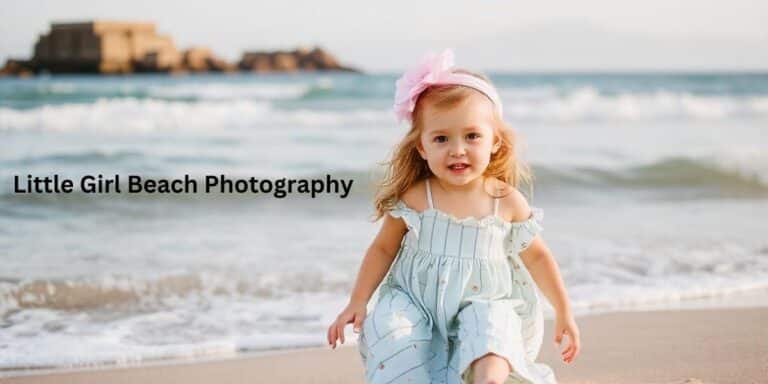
(115,47)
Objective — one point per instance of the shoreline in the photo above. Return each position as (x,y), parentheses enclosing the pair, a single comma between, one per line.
(647,346)
(753,298)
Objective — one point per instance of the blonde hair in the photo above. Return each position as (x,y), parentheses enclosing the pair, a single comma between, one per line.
(406,166)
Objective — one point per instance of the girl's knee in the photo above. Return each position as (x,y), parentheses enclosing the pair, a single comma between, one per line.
(490,368)
(492,359)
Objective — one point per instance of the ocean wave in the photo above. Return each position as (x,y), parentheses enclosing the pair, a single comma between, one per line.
(118,320)
(117,157)
(589,104)
(705,175)
(149,115)
(85,157)
(133,293)
(221,106)
(122,320)
(228,91)
(85,92)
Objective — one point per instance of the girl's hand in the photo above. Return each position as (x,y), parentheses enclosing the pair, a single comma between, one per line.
(565,324)
(353,313)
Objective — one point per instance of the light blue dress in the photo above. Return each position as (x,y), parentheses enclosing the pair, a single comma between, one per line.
(456,291)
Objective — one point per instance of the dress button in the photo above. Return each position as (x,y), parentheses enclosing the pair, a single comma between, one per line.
(474,288)
(442,281)
(381,366)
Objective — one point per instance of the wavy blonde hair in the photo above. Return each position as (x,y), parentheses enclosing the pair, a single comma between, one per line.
(406,167)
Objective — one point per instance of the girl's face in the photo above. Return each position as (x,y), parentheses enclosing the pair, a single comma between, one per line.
(457,142)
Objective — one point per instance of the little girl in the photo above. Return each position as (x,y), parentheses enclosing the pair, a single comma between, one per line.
(459,303)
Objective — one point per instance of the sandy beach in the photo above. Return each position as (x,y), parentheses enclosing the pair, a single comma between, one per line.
(683,346)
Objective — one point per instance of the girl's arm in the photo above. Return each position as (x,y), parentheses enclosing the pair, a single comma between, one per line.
(545,272)
(541,264)
(378,259)
(373,268)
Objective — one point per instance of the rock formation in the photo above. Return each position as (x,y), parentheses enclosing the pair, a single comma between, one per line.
(201,59)
(302,59)
(15,67)
(127,47)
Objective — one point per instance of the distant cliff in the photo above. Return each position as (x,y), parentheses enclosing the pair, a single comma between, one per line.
(125,47)
(302,59)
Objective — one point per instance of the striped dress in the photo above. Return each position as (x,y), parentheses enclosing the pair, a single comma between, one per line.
(456,291)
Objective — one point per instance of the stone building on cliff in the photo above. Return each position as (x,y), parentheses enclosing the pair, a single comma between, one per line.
(105,47)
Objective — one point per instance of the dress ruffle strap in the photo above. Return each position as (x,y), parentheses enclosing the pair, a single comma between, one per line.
(522,233)
(410,217)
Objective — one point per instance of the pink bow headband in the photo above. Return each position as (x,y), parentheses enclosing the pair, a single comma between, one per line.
(434,70)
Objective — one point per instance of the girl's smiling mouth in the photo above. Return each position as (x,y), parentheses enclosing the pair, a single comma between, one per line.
(458,167)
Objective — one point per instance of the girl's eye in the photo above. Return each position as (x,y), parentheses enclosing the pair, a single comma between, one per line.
(440,139)
(473,136)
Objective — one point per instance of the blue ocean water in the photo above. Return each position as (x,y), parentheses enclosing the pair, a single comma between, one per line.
(654,187)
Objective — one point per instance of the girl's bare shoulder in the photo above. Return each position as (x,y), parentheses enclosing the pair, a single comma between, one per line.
(415,196)
(514,206)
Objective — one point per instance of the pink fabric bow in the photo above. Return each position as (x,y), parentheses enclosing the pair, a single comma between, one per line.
(429,71)
(432,70)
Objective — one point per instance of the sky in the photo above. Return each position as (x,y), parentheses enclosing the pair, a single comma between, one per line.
(588,35)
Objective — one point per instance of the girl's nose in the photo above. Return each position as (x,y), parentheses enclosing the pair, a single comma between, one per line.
(457,150)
